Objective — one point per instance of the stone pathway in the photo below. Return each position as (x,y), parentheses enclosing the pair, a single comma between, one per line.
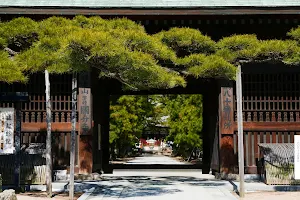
(272,196)
(160,185)
(155,159)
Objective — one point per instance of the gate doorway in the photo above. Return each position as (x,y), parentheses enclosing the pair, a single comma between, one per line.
(156,131)
(208,90)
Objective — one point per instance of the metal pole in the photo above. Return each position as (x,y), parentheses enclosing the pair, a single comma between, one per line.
(18,145)
(239,97)
(49,137)
(73,136)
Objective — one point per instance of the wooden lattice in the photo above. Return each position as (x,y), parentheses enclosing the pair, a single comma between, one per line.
(271,97)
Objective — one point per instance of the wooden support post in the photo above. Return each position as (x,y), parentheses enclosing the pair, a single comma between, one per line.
(73,136)
(210,126)
(105,153)
(96,115)
(240,129)
(48,138)
(226,128)
(101,127)
(85,119)
(18,146)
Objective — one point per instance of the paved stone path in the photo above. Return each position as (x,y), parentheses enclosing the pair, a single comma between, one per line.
(160,185)
(155,159)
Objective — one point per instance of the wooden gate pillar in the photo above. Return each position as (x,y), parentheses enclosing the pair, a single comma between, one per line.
(210,126)
(85,123)
(101,125)
(105,153)
(226,128)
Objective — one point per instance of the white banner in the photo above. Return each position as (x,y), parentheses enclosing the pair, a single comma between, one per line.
(7,130)
(297,156)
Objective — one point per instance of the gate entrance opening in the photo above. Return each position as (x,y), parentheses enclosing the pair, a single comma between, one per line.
(208,89)
(156,131)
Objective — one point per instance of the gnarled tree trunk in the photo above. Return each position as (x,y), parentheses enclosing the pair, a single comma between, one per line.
(48,138)
(73,136)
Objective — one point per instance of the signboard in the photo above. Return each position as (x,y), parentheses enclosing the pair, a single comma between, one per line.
(226,110)
(85,113)
(297,156)
(7,130)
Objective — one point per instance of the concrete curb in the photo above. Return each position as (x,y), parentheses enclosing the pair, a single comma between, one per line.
(262,187)
(86,194)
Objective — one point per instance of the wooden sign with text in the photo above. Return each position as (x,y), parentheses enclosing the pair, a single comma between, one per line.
(7,124)
(297,156)
(85,112)
(226,120)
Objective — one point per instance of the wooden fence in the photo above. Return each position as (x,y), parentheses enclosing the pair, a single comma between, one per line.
(60,146)
(271,107)
(33,169)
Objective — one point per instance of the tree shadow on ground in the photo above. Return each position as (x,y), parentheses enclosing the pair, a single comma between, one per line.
(143,186)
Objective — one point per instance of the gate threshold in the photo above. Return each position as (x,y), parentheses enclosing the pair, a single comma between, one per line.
(156,166)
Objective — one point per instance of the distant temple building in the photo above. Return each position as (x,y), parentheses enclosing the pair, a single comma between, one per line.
(152,137)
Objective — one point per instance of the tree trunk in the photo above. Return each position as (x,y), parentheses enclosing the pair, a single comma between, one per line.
(48,139)
(73,136)
(239,98)
(18,146)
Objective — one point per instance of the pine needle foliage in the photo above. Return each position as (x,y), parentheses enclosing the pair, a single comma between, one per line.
(9,71)
(186,41)
(18,34)
(118,48)
(214,66)
(238,47)
(121,49)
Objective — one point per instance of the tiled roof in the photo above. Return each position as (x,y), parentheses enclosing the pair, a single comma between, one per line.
(148,3)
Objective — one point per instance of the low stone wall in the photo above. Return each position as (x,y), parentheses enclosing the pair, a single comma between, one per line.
(8,195)
(61,175)
(235,177)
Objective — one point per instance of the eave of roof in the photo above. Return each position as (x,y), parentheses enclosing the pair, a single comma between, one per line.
(151,11)
(153,7)
(149,4)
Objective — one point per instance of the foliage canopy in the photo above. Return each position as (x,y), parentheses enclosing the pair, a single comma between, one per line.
(132,115)
(121,49)
(185,122)
(129,116)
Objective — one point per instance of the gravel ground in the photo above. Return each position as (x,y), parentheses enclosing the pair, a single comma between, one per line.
(272,196)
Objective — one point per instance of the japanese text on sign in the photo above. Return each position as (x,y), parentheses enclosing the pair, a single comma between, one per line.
(226,121)
(227,108)
(7,130)
(84,110)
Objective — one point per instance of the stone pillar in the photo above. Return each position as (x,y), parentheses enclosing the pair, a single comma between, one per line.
(85,123)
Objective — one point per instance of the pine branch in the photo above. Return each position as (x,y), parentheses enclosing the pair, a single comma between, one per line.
(117,77)
(10,51)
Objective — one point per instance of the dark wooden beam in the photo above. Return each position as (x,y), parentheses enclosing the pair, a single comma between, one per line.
(56,126)
(14,97)
(270,126)
(150,11)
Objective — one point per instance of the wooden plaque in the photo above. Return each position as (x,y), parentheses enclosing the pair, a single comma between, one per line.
(85,111)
